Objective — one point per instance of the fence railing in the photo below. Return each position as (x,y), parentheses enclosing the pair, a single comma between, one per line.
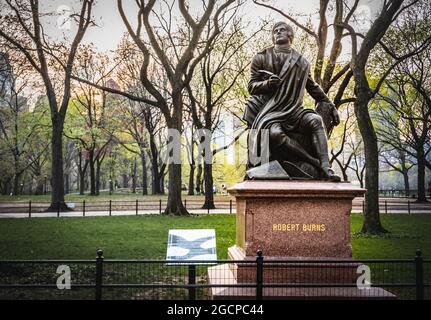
(165,279)
(401,193)
(136,206)
(142,206)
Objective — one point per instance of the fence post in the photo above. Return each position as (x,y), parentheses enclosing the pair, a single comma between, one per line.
(408,205)
(99,274)
(259,275)
(185,204)
(363,206)
(160,206)
(29,209)
(110,207)
(192,281)
(419,275)
(58,209)
(136,206)
(386,206)
(230,206)
(83,208)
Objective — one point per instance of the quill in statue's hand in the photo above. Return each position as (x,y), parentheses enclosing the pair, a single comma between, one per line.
(272,78)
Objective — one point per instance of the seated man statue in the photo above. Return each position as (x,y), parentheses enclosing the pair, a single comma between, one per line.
(297,136)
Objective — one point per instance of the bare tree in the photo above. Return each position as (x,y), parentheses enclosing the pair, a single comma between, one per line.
(343,139)
(19,126)
(133,120)
(405,126)
(217,74)
(178,62)
(93,109)
(398,160)
(21,28)
(147,120)
(363,92)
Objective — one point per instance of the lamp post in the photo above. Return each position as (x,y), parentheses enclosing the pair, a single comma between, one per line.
(110,186)
(44,188)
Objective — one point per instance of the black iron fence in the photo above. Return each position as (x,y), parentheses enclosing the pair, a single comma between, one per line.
(251,279)
(401,193)
(157,206)
(137,206)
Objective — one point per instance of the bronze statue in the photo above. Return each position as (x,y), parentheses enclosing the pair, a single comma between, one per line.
(297,136)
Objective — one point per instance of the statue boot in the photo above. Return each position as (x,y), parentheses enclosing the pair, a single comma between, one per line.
(320,143)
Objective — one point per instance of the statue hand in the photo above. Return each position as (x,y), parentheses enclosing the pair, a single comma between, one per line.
(274,81)
(335,116)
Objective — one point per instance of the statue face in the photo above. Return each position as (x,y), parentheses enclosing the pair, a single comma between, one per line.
(282,35)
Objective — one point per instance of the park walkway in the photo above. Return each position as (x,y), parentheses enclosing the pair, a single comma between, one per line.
(25,209)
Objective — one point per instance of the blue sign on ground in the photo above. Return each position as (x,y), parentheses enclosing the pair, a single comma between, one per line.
(195,244)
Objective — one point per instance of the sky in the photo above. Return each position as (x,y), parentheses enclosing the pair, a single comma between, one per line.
(110,27)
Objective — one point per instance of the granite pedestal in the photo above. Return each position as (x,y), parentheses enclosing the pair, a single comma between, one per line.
(296,221)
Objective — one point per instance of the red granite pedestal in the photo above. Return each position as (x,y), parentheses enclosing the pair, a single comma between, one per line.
(295,221)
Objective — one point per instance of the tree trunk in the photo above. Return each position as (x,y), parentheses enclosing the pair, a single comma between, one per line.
(67,184)
(175,205)
(92,172)
(82,183)
(421,175)
(17,174)
(162,183)
(372,223)
(191,188)
(39,186)
(16,184)
(81,173)
(363,95)
(343,170)
(406,183)
(21,189)
(199,179)
(404,172)
(6,187)
(344,173)
(155,180)
(111,184)
(57,178)
(125,180)
(209,186)
(144,174)
(30,188)
(134,171)
(98,165)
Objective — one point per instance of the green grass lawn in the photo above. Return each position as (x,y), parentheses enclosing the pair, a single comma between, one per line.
(120,237)
(146,236)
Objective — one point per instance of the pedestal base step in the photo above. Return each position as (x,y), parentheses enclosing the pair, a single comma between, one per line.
(222,274)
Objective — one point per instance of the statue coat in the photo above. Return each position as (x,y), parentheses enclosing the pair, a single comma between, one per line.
(268,105)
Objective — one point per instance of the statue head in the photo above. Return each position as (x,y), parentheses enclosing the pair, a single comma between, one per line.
(282,33)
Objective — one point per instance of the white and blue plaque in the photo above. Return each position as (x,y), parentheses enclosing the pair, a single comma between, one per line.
(191,244)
